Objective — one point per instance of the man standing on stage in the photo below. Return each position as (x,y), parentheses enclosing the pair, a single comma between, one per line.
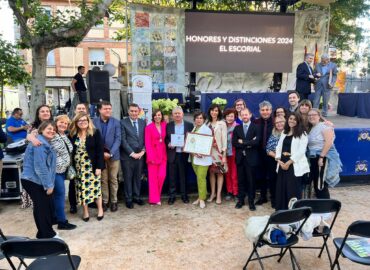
(265,123)
(246,139)
(176,158)
(305,77)
(78,85)
(326,72)
(110,130)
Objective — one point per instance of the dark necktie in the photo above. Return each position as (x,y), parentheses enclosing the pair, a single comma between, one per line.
(245,128)
(264,139)
(135,126)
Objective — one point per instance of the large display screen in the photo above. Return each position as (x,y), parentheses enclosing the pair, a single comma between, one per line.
(238,42)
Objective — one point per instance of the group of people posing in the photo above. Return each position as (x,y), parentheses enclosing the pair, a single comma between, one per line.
(280,151)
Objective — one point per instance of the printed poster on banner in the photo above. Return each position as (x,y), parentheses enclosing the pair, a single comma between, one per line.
(142,95)
(158,46)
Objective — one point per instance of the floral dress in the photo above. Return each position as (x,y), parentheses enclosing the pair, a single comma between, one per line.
(88,184)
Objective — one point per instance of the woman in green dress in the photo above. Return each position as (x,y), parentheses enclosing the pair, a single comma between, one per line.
(88,158)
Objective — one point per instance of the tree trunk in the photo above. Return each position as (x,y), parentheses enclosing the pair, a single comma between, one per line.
(23,102)
(38,98)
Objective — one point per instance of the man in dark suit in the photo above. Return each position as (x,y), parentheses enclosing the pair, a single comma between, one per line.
(246,139)
(110,129)
(177,160)
(132,155)
(265,123)
(305,77)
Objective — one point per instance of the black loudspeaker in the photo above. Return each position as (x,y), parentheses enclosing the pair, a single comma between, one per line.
(98,85)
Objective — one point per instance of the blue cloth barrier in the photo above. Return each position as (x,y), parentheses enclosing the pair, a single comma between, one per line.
(168,95)
(251,99)
(354,104)
(353,146)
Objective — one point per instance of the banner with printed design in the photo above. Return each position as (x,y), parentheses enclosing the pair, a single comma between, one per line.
(158,46)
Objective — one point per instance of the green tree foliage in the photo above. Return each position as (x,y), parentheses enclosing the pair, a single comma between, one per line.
(344,32)
(42,31)
(12,70)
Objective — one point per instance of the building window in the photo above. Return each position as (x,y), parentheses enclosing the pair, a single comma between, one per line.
(50,60)
(96,57)
(47,10)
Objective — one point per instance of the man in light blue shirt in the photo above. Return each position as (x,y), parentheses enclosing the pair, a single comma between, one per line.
(326,72)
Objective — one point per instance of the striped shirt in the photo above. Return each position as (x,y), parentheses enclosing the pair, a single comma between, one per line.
(58,143)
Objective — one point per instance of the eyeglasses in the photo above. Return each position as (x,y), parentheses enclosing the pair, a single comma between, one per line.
(280,122)
(313,114)
(82,121)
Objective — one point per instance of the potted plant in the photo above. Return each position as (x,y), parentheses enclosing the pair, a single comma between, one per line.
(220,102)
(165,106)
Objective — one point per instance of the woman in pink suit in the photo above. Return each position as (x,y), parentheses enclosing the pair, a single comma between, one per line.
(156,156)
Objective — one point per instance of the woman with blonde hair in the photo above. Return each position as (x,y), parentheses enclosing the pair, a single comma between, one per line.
(63,149)
(88,158)
(325,163)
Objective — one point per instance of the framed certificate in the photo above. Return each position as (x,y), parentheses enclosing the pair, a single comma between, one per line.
(177,140)
(196,143)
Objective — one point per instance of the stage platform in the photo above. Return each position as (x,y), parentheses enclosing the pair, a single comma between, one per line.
(352,140)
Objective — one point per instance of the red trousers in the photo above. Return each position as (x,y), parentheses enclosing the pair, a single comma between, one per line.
(156,175)
(231,176)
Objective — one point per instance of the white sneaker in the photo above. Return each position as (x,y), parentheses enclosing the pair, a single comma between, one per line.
(58,237)
(202,204)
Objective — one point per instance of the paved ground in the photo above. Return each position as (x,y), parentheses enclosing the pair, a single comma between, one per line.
(179,236)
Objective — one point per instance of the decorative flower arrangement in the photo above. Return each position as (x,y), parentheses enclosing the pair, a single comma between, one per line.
(165,105)
(220,102)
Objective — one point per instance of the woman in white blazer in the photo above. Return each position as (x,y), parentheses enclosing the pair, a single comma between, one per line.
(292,161)
(201,163)
(218,152)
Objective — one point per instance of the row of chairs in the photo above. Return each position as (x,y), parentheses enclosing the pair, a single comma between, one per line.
(55,252)
(301,211)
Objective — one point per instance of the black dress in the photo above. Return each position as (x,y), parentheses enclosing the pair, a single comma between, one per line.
(287,184)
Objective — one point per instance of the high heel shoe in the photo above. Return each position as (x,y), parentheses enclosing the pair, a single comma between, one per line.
(202,204)
(218,201)
(211,198)
(86,219)
(99,218)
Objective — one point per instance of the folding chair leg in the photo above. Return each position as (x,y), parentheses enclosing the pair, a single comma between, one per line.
(282,254)
(336,262)
(259,260)
(325,244)
(327,251)
(250,256)
(10,263)
(293,258)
(22,263)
